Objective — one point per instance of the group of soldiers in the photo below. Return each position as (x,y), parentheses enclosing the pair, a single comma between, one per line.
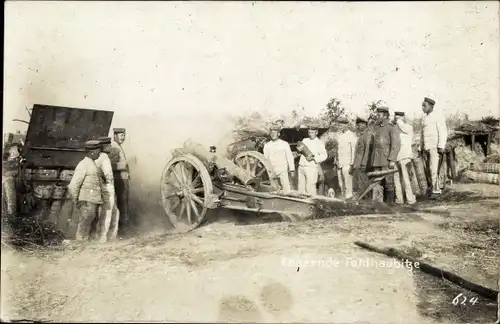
(388,145)
(99,189)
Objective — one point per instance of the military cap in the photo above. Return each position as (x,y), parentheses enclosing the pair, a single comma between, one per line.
(361,120)
(275,127)
(343,120)
(383,109)
(92,144)
(104,140)
(429,100)
(312,126)
(118,130)
(399,113)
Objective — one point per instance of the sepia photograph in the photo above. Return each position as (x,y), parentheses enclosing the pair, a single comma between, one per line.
(251,162)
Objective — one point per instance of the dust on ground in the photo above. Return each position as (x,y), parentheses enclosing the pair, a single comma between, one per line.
(265,272)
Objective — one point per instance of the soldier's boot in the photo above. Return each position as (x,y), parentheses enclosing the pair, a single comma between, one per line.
(390,197)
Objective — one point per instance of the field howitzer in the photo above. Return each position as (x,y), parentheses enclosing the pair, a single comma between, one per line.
(225,169)
(196,180)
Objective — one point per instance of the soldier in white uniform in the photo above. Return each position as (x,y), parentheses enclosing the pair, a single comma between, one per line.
(308,165)
(107,225)
(402,178)
(85,190)
(346,150)
(279,154)
(121,177)
(433,140)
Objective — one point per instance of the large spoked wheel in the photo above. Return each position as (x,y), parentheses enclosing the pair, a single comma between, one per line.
(258,166)
(186,188)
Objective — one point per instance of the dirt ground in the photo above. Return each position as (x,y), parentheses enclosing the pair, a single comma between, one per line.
(265,272)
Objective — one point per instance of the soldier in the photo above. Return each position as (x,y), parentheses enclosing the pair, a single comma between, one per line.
(433,141)
(10,163)
(107,225)
(278,152)
(121,178)
(402,178)
(346,148)
(362,153)
(308,165)
(385,152)
(85,190)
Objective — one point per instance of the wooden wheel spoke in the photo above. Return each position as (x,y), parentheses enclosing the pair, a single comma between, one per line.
(195,209)
(174,186)
(196,179)
(197,190)
(185,183)
(189,174)
(183,208)
(197,199)
(175,205)
(177,177)
(260,168)
(261,172)
(171,195)
(254,167)
(247,163)
(183,173)
(188,208)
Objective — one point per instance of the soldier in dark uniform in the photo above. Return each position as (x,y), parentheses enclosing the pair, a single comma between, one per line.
(362,154)
(386,145)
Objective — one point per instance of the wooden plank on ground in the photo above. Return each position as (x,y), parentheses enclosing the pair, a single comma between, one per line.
(427,268)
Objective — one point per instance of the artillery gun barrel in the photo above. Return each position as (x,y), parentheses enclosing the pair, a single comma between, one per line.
(232,169)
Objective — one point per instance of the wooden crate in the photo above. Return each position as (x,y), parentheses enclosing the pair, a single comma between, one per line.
(485,167)
(41,174)
(43,190)
(480,177)
(421,177)
(413,178)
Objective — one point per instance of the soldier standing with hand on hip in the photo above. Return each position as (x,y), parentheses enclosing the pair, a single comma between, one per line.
(386,145)
(107,225)
(308,165)
(85,190)
(121,177)
(279,154)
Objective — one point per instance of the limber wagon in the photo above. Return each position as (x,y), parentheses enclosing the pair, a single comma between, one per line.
(54,145)
(196,180)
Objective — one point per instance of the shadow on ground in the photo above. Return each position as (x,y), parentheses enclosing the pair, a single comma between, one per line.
(456,197)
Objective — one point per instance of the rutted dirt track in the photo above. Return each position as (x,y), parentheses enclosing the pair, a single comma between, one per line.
(225,272)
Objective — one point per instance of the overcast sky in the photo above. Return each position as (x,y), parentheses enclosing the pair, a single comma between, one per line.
(185,65)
